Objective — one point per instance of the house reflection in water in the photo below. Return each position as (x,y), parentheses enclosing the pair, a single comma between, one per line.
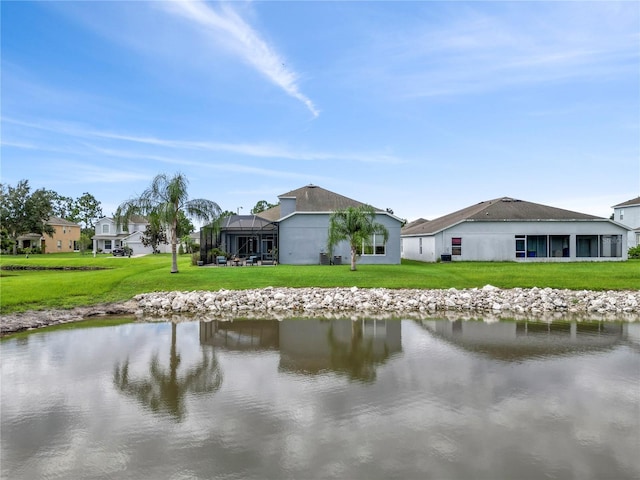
(346,347)
(514,341)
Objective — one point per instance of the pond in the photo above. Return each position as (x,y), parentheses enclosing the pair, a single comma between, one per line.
(307,399)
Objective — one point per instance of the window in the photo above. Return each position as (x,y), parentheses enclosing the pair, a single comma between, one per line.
(107,244)
(521,251)
(377,246)
(610,245)
(622,214)
(70,244)
(586,245)
(536,246)
(105,228)
(456,246)
(64,229)
(59,245)
(420,245)
(559,245)
(533,246)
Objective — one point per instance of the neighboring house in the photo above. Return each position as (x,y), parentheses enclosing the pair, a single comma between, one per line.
(64,239)
(508,229)
(297,229)
(628,213)
(109,236)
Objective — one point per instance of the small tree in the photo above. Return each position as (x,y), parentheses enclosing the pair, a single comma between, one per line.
(154,234)
(84,243)
(356,225)
(167,199)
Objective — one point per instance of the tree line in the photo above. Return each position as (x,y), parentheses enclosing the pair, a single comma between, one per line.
(23,211)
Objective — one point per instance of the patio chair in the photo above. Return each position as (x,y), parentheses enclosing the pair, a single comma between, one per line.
(221,260)
(252,260)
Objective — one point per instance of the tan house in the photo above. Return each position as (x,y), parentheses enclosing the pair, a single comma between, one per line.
(64,239)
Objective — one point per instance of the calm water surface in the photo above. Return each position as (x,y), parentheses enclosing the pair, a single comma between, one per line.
(307,399)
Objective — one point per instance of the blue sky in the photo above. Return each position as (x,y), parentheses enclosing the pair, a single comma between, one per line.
(421,107)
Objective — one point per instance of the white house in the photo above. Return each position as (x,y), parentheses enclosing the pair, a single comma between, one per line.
(507,229)
(109,236)
(628,213)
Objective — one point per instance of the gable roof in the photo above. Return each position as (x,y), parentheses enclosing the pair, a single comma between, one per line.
(629,203)
(312,198)
(61,221)
(414,223)
(499,209)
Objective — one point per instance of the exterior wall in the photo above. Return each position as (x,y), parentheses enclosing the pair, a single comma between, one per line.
(629,216)
(411,248)
(303,236)
(495,241)
(63,240)
(119,237)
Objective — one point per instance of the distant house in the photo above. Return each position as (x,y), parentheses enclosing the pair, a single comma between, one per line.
(628,213)
(509,229)
(109,235)
(64,239)
(297,228)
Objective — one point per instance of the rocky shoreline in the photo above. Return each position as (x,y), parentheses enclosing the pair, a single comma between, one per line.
(488,302)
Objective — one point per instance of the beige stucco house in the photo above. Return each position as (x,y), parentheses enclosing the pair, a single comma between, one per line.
(64,239)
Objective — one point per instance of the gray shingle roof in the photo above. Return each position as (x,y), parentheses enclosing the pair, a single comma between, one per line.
(499,209)
(629,203)
(61,221)
(312,198)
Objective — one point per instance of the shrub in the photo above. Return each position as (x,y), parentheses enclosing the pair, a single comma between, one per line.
(634,252)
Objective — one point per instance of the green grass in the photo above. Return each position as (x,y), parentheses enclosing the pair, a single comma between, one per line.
(22,290)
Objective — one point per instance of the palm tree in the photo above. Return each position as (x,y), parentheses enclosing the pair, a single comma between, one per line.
(357,225)
(167,200)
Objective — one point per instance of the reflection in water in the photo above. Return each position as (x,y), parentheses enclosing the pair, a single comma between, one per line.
(352,348)
(165,391)
(515,341)
(306,399)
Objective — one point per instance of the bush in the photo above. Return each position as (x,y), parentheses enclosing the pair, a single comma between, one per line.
(634,252)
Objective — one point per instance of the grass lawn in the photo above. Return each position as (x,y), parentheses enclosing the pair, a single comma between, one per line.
(125,277)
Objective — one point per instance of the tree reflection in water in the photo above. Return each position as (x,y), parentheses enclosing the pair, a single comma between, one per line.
(164,391)
(356,358)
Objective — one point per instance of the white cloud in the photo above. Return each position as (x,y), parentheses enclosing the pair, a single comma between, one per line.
(256,150)
(246,42)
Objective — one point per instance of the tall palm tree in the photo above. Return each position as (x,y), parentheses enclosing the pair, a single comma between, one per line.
(167,200)
(357,225)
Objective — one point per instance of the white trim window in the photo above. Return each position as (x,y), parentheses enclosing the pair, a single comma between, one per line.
(105,228)
(377,246)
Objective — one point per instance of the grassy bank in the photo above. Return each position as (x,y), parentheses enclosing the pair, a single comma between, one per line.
(125,277)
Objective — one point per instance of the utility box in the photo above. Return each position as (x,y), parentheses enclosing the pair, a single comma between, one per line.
(324,259)
(337,260)
(445,257)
